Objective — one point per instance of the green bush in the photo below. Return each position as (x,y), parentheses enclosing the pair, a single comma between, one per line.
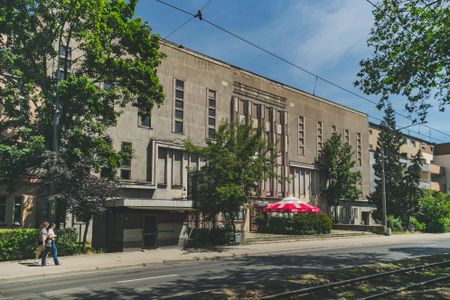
(434,212)
(419,226)
(18,244)
(204,237)
(300,224)
(394,223)
(261,222)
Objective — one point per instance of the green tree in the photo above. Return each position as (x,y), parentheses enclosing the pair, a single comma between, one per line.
(434,211)
(410,40)
(412,191)
(336,166)
(238,160)
(80,192)
(388,145)
(72,63)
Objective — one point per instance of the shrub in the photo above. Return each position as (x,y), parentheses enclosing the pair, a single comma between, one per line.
(18,244)
(394,223)
(204,237)
(300,224)
(418,226)
(434,212)
(261,222)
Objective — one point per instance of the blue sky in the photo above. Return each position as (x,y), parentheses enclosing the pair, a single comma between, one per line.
(327,37)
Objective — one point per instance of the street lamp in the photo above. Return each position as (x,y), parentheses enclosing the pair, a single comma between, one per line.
(383,181)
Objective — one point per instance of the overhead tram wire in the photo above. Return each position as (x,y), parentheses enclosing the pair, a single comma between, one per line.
(187,21)
(201,18)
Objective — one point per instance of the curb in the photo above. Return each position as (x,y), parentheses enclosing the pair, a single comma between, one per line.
(221,257)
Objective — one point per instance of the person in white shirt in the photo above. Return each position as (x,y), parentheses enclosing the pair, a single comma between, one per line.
(50,245)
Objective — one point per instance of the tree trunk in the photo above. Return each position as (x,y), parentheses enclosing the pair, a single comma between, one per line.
(336,217)
(85,236)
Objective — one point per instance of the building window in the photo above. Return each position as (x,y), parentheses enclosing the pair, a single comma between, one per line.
(177,168)
(145,121)
(125,169)
(162,167)
(178,127)
(333,129)
(211,114)
(17,213)
(2,210)
(370,131)
(305,182)
(64,60)
(319,138)
(347,136)
(179,106)
(358,148)
(301,135)
(424,146)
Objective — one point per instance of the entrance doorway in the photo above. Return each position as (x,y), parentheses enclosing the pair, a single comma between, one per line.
(365,217)
(150,231)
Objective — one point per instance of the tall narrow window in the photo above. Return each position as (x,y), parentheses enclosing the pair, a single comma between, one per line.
(179,106)
(125,169)
(301,135)
(347,136)
(17,214)
(64,62)
(2,210)
(211,128)
(333,129)
(358,148)
(161,168)
(177,169)
(319,137)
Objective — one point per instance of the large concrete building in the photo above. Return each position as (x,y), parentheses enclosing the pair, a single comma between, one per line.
(201,92)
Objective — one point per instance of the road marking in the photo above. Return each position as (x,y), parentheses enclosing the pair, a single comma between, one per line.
(147,278)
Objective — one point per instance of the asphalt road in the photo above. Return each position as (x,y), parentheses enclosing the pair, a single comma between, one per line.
(185,279)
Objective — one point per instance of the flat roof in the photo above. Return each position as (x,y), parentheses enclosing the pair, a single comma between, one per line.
(182,48)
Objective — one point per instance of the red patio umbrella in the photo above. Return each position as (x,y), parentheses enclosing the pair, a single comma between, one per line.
(292,205)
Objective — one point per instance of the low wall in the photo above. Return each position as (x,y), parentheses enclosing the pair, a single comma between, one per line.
(378,229)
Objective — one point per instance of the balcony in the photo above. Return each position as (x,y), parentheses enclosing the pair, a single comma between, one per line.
(437,170)
(436,186)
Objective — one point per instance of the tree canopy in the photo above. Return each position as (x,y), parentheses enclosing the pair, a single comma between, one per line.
(336,165)
(74,62)
(238,160)
(411,54)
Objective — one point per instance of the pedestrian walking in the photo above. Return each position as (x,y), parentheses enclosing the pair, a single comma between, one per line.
(41,241)
(50,245)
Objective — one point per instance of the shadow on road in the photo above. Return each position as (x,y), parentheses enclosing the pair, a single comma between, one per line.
(243,271)
(421,251)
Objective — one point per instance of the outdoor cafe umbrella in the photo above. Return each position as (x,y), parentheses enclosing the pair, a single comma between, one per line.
(291,205)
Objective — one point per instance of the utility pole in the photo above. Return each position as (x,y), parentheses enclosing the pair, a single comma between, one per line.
(383,193)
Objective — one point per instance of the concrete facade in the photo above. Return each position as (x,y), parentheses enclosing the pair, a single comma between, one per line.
(202,92)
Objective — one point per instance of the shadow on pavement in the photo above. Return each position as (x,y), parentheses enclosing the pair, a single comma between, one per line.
(239,272)
(421,251)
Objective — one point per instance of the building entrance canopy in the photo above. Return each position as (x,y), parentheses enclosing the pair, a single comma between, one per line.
(292,205)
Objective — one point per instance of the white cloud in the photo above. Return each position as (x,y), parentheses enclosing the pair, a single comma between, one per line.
(335,29)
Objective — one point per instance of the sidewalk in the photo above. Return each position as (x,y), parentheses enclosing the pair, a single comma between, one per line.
(21,269)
